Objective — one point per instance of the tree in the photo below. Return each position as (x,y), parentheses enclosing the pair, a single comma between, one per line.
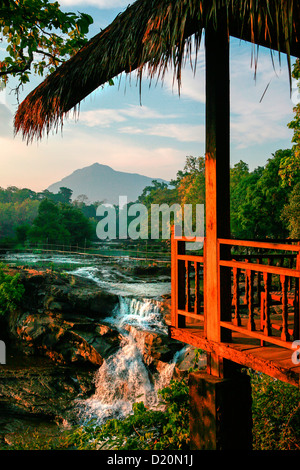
(64,195)
(48,225)
(295,123)
(258,198)
(79,228)
(190,183)
(11,291)
(38,36)
(60,223)
(291,212)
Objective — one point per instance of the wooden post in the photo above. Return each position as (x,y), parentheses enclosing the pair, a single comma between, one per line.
(178,278)
(217,183)
(173,278)
(220,412)
(220,399)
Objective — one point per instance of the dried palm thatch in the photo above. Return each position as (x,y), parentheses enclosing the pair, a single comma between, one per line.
(149,37)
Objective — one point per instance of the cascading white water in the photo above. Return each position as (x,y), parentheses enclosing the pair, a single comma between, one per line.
(143,313)
(122,380)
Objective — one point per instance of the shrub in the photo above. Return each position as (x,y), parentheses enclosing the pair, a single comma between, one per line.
(11,291)
(276,414)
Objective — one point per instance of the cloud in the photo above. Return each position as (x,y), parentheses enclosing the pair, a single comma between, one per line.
(105,4)
(101,117)
(192,84)
(144,112)
(107,116)
(261,108)
(38,165)
(179,132)
(6,117)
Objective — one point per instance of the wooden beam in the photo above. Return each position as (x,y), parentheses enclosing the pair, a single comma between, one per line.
(217,177)
(273,361)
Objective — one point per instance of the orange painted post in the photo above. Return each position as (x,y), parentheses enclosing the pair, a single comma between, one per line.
(217,177)
(296,303)
(285,333)
(173,278)
(177,282)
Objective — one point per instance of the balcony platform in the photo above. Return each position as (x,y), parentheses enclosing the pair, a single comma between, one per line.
(245,350)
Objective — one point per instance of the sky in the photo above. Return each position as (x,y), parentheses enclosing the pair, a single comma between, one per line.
(152,137)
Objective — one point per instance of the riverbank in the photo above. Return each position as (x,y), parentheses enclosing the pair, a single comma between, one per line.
(79,350)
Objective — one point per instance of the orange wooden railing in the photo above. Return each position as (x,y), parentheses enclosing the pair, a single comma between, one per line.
(264,289)
(186,276)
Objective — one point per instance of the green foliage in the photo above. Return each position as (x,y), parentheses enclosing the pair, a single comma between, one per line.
(276,414)
(258,198)
(13,214)
(144,429)
(291,212)
(295,123)
(11,291)
(19,209)
(60,223)
(38,36)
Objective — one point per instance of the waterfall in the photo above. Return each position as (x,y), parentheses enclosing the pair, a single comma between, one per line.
(143,313)
(122,380)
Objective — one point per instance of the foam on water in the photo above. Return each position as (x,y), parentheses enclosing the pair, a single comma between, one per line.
(144,313)
(122,380)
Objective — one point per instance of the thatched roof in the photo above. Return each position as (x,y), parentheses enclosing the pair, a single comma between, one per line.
(149,36)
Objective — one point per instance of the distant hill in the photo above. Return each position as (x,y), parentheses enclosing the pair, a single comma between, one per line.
(102,183)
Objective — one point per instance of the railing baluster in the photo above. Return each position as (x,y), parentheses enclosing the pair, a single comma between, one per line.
(236,297)
(266,305)
(196,303)
(258,283)
(250,277)
(296,331)
(284,334)
(246,286)
(187,287)
(181,321)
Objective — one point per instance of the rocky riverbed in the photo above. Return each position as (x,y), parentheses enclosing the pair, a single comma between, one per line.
(66,333)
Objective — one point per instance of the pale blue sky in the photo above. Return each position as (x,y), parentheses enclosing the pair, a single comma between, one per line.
(155,138)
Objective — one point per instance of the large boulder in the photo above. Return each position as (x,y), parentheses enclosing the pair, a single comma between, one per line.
(66,342)
(42,389)
(155,347)
(65,294)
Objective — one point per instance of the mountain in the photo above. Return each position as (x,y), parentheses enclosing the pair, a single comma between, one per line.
(102,183)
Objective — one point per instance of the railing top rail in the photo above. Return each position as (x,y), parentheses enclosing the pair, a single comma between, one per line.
(268,245)
(189,239)
(263,268)
(195,258)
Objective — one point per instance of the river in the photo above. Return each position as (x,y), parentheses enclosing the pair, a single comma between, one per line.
(123,378)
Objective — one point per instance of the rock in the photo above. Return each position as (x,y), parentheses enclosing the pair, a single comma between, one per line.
(59,318)
(155,347)
(186,360)
(63,341)
(60,293)
(43,389)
